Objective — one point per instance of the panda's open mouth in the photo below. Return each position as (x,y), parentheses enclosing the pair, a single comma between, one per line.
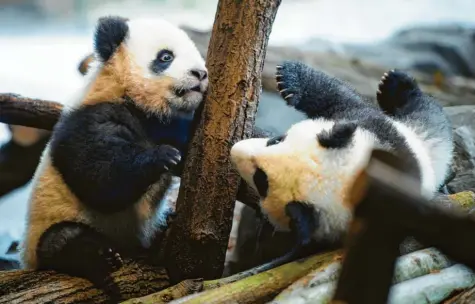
(181,91)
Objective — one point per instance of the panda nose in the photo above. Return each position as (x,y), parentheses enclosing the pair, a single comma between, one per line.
(200,74)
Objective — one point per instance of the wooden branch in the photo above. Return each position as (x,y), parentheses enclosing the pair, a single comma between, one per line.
(189,287)
(133,280)
(29,112)
(264,286)
(199,236)
(174,292)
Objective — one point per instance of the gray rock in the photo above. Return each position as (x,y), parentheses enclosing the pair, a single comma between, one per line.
(448,48)
(463,121)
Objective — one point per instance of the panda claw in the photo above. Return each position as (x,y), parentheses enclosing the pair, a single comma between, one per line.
(289,96)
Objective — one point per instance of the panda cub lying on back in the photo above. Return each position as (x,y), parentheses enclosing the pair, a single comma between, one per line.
(98,188)
(303,176)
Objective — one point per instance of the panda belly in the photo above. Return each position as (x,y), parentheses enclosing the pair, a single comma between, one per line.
(52,202)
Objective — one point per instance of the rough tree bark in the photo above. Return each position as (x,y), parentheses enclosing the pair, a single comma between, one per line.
(198,237)
(133,280)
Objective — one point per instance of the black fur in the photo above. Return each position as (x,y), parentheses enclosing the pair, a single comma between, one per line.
(339,136)
(77,249)
(318,95)
(106,156)
(303,220)
(110,32)
(261,182)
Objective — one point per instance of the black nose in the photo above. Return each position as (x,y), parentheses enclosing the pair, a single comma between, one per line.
(261,182)
(200,74)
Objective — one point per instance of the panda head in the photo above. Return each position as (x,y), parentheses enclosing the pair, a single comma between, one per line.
(313,165)
(151,61)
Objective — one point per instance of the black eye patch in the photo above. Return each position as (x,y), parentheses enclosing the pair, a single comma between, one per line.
(162,61)
(339,136)
(275,140)
(261,182)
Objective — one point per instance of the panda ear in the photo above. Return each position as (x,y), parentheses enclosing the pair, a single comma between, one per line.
(339,136)
(110,32)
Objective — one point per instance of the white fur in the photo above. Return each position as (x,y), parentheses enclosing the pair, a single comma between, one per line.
(148,36)
(422,151)
(300,169)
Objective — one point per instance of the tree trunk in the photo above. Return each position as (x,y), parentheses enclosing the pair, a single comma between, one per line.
(199,235)
(133,280)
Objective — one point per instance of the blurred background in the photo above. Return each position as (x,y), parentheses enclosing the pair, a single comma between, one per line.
(43,41)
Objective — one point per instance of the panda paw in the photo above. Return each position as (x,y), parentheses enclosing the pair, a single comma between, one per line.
(168,157)
(288,86)
(394,89)
(112,258)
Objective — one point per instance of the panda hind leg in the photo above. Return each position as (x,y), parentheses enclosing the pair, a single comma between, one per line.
(79,250)
(396,90)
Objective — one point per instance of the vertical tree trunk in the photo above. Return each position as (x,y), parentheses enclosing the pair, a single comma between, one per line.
(199,235)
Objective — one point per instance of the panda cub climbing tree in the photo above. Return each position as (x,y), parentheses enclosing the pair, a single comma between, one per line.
(98,189)
(303,176)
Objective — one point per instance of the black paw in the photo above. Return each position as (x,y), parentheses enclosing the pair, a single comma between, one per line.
(112,259)
(394,89)
(288,84)
(168,156)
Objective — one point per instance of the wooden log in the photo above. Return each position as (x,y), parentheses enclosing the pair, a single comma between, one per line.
(29,112)
(133,280)
(189,287)
(261,287)
(198,238)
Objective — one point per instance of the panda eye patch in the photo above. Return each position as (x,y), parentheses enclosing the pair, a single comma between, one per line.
(162,61)
(275,140)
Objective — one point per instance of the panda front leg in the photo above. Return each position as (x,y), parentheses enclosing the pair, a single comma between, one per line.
(313,92)
(79,250)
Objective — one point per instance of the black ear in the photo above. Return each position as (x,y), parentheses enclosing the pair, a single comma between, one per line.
(110,33)
(337,137)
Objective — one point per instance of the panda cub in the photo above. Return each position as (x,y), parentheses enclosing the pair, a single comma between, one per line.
(98,188)
(303,176)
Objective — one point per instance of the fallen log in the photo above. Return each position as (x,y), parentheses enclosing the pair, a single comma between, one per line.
(133,280)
